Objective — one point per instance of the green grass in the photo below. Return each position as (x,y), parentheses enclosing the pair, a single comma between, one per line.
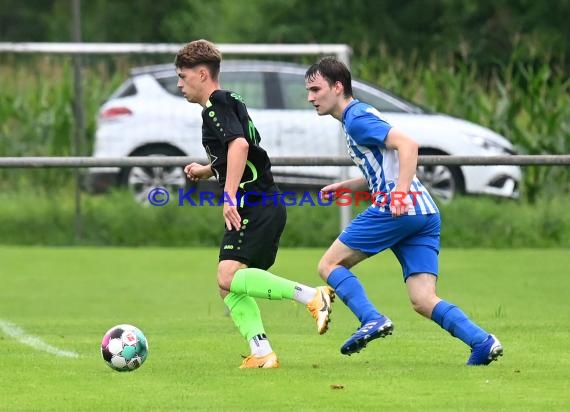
(69,297)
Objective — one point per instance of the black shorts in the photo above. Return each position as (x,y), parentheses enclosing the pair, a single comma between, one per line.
(256,243)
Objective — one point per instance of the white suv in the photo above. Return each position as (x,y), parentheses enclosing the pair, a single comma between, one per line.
(147,116)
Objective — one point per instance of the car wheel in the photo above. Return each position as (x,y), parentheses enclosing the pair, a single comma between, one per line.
(141,180)
(441,181)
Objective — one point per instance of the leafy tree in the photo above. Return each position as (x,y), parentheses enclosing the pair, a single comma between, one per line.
(25,21)
(486,31)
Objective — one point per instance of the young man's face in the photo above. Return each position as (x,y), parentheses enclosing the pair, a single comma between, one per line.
(321,95)
(190,82)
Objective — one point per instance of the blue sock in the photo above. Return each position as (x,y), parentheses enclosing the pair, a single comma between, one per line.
(349,289)
(453,320)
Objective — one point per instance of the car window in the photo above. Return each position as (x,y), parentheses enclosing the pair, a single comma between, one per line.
(126,89)
(294,91)
(252,87)
(249,85)
(295,95)
(378,102)
(384,101)
(170,84)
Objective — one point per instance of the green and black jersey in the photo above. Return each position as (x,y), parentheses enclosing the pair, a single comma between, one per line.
(225,118)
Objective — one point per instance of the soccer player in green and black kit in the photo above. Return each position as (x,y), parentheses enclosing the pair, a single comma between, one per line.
(253,226)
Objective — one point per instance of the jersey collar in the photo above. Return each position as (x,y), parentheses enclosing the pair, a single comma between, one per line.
(345,111)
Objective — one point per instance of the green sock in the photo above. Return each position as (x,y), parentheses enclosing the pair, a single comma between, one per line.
(245,314)
(259,283)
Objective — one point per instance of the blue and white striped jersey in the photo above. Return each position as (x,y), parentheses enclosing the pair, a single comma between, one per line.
(366,131)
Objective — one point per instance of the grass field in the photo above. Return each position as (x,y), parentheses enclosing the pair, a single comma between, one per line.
(60,301)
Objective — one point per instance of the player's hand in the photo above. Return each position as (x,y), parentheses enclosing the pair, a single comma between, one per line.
(329,192)
(400,203)
(196,171)
(231,214)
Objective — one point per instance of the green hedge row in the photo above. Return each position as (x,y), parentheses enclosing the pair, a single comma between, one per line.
(31,218)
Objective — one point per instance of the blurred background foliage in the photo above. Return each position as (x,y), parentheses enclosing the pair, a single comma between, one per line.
(482,31)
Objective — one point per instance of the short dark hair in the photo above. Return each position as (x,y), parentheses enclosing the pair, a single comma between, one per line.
(199,52)
(332,70)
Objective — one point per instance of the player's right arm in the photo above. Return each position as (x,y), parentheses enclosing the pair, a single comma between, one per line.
(353,185)
(196,171)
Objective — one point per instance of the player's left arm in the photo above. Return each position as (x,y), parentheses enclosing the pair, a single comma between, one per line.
(238,149)
(408,159)
(230,132)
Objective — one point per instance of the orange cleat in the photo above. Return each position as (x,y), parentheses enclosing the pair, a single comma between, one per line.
(321,307)
(268,361)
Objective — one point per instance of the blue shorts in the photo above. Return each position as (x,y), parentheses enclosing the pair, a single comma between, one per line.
(414,239)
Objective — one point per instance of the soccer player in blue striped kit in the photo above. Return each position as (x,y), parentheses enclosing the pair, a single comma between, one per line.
(405,222)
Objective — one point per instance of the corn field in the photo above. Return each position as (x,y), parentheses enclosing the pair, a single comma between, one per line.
(526,101)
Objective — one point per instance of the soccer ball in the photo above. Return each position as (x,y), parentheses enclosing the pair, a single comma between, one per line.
(124,348)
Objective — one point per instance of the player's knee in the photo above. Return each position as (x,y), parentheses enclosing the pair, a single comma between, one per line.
(324,268)
(223,293)
(226,272)
(422,305)
(225,279)
(425,305)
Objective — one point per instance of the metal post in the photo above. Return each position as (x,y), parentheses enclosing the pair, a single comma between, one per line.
(79,129)
(345,211)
